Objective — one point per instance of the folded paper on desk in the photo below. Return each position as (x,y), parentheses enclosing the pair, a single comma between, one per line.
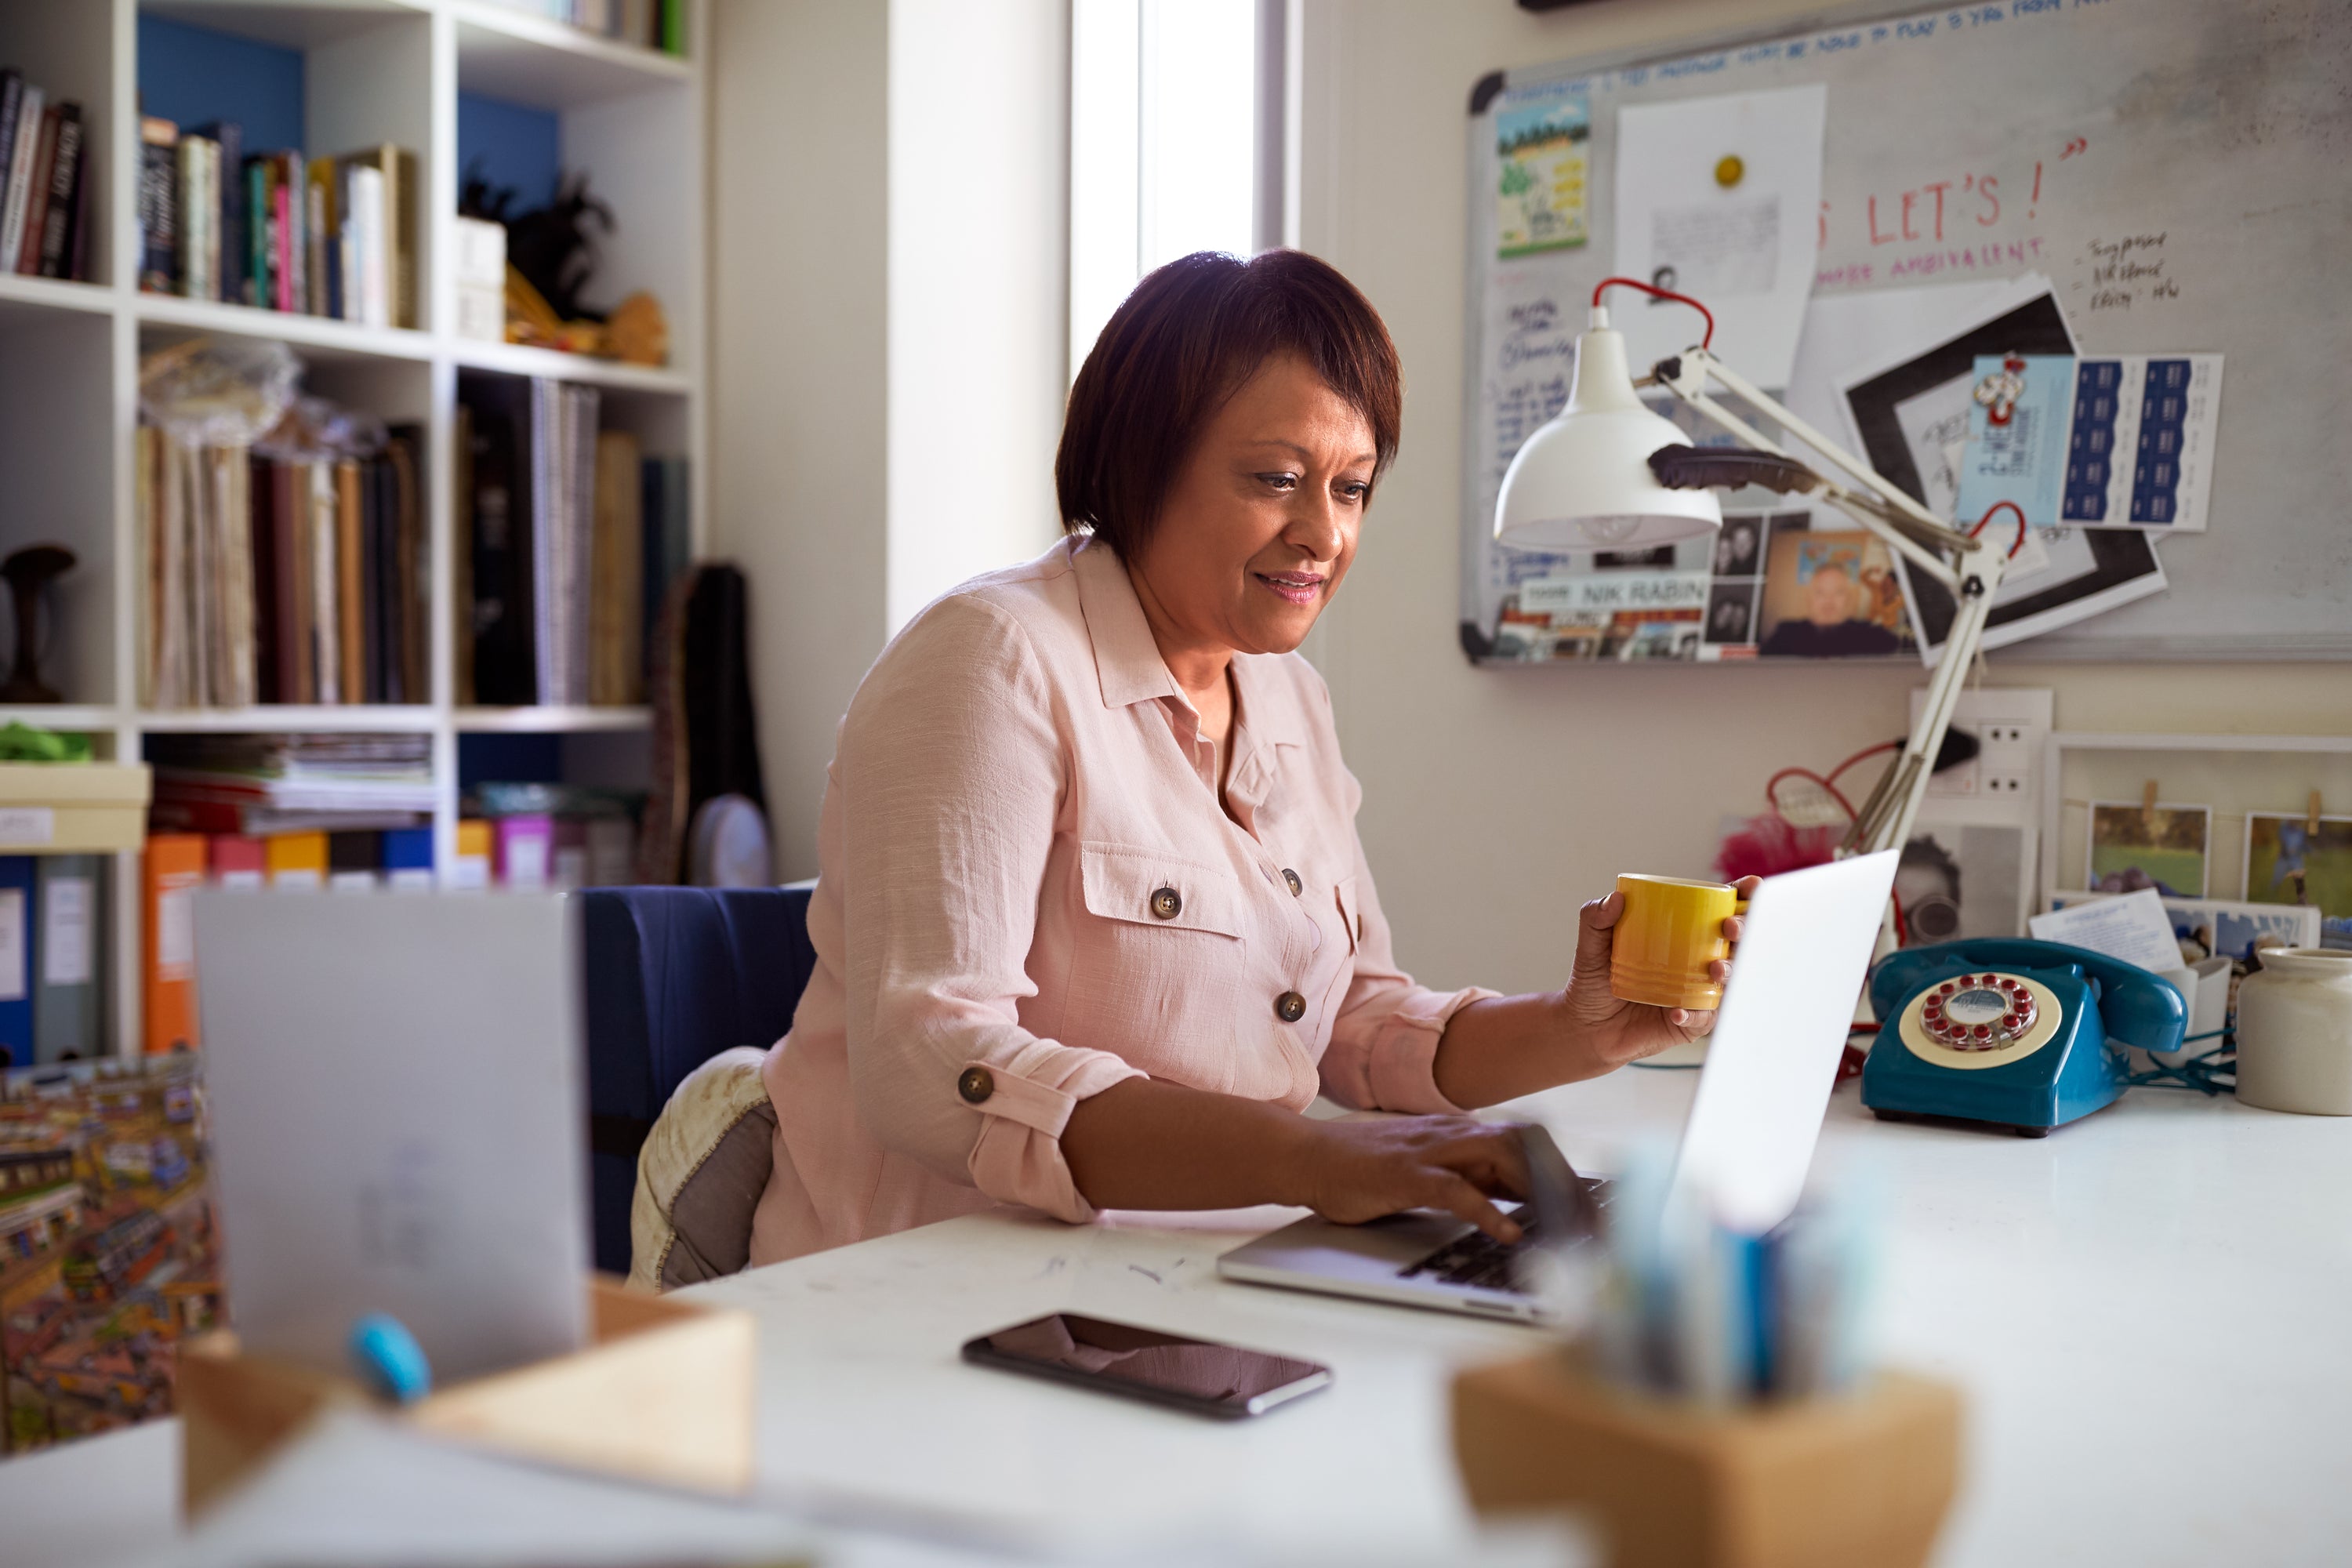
(2133,928)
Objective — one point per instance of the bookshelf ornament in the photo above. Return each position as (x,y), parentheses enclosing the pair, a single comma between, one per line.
(29,572)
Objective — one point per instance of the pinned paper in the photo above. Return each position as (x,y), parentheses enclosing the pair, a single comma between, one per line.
(1718,198)
(2133,928)
(2125,442)
(1542,184)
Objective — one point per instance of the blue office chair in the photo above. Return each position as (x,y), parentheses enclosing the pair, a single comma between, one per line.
(675,975)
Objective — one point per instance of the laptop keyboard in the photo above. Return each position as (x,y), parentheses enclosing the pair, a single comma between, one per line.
(1479,1261)
(1476,1259)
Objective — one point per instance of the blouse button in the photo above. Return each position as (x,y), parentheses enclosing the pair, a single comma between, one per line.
(975,1084)
(1166,904)
(1290,1006)
(1291,876)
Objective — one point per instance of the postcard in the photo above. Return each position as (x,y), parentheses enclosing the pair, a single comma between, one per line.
(1542,186)
(2287,863)
(2135,847)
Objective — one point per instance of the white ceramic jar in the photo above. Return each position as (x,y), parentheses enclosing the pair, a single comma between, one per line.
(2295,1032)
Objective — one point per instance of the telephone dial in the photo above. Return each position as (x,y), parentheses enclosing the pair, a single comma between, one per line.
(2026,1036)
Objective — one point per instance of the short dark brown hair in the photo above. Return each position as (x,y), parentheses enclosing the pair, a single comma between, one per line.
(1187,339)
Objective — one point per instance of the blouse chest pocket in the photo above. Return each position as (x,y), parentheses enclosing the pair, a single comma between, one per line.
(1144,887)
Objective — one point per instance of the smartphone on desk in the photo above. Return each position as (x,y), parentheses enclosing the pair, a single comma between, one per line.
(1207,1379)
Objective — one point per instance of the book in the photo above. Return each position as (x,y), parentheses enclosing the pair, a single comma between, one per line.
(261,251)
(240,863)
(18,193)
(297,861)
(616,567)
(69,988)
(16,887)
(461,553)
(159,205)
(525,850)
(500,563)
(27,255)
(350,609)
(172,868)
(318,235)
(408,859)
(353,859)
(235,244)
(384,184)
(12,100)
(199,165)
(58,231)
(469,868)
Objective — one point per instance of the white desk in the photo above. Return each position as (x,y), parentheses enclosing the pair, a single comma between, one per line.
(2150,1312)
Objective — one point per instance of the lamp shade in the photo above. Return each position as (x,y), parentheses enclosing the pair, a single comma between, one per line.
(1584,480)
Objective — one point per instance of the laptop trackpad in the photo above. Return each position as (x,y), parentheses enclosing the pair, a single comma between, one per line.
(1378,1248)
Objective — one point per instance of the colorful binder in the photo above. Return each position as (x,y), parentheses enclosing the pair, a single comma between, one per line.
(16,876)
(408,859)
(68,945)
(297,861)
(173,870)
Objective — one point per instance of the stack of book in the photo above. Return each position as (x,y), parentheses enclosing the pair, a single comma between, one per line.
(44,183)
(650,24)
(281,581)
(262,786)
(319,236)
(566,539)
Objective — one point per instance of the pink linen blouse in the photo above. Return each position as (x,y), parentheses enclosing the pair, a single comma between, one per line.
(1028,893)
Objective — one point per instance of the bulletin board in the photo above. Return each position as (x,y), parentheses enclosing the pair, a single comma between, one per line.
(2176,168)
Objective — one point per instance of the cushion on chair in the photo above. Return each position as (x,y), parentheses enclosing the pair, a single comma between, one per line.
(701,1173)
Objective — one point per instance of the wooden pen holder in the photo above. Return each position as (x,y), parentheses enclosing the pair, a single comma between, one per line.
(663,1393)
(1861,1480)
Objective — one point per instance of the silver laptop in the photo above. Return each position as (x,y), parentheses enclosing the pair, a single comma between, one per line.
(1746,1148)
(396,1085)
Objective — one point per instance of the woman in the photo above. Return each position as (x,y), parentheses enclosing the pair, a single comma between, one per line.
(1093,925)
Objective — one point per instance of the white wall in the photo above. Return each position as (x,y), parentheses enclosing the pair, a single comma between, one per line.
(979,297)
(799,98)
(1496,800)
(887,332)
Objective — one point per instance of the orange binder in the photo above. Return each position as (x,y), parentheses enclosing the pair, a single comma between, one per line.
(174,868)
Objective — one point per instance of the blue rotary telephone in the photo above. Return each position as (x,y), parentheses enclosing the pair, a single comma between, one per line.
(2027,1035)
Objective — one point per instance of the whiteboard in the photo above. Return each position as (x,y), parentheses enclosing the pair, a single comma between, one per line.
(1973,143)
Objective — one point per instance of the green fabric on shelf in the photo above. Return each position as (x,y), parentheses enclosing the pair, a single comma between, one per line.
(20,742)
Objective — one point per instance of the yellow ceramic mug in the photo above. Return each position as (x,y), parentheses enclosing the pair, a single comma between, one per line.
(1670,931)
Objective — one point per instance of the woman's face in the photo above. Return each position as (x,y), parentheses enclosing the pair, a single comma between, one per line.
(1261,520)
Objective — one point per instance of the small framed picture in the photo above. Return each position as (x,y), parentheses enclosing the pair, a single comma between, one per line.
(1731,612)
(2289,863)
(2135,847)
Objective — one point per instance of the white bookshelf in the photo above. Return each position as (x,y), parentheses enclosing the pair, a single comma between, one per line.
(376,71)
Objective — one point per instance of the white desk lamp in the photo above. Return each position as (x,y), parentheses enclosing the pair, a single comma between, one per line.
(1607,474)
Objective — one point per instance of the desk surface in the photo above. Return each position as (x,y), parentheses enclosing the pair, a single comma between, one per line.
(2147,1311)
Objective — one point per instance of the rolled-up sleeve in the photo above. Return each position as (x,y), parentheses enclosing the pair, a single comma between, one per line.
(1383,1049)
(951,770)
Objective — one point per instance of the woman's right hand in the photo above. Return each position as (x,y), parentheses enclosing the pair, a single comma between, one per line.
(1357,1171)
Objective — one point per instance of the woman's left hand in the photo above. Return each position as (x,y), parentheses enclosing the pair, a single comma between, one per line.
(1616,1032)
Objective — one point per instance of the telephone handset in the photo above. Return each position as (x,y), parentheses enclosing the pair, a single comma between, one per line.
(2028,1035)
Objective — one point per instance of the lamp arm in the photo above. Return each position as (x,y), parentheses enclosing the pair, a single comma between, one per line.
(1687,381)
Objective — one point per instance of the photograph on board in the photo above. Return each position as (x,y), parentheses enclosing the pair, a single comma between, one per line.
(1731,613)
(2288,863)
(1831,595)
(1739,548)
(2135,845)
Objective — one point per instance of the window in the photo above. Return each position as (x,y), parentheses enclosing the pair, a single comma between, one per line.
(1176,140)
